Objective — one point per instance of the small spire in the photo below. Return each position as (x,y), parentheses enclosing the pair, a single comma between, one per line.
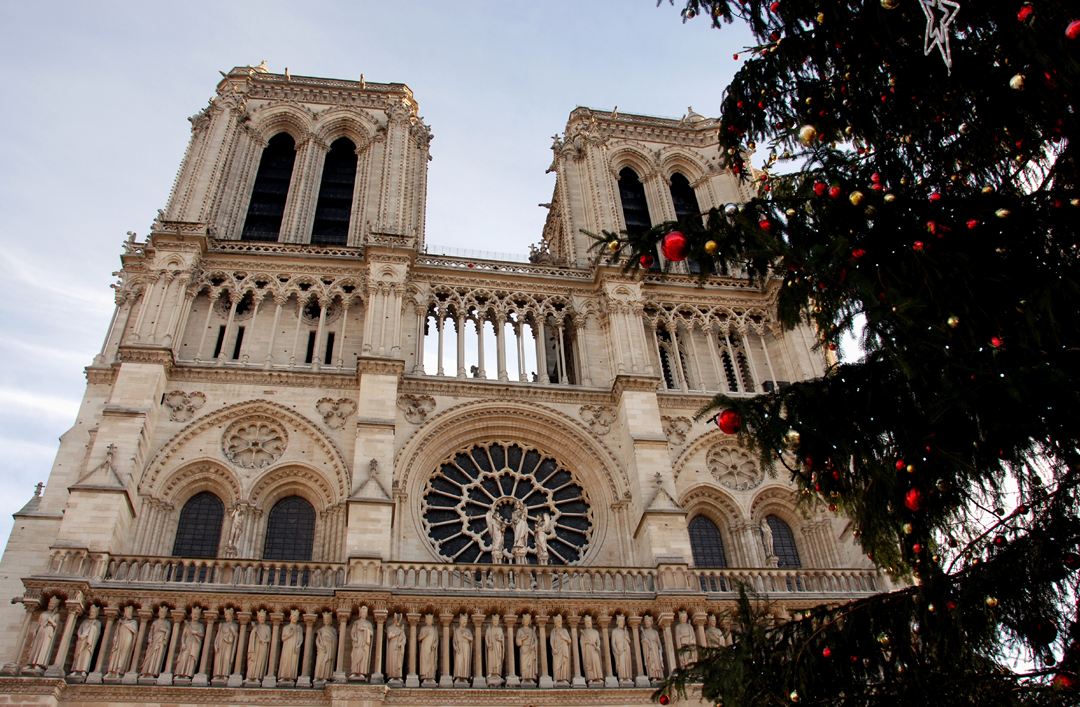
(37,489)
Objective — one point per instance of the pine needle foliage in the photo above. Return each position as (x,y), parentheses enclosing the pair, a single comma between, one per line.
(940,206)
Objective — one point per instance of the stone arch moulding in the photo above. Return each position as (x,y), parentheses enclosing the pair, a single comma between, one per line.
(699,446)
(273,118)
(712,502)
(779,502)
(357,125)
(510,421)
(633,157)
(292,479)
(337,471)
(675,159)
(196,476)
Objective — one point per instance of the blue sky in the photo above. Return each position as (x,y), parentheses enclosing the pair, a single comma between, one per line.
(96,125)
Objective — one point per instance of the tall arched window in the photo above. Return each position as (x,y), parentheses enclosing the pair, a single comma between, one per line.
(634,206)
(199,530)
(684,198)
(706,543)
(271,190)
(290,530)
(334,208)
(784,543)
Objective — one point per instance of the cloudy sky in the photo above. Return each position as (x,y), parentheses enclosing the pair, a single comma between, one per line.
(96,124)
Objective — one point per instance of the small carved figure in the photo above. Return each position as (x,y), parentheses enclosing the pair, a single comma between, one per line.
(429,648)
(496,528)
(123,643)
(714,637)
(85,641)
(463,641)
(651,654)
(767,538)
(560,652)
(258,648)
(292,639)
(495,640)
(236,528)
(191,640)
(685,641)
(225,645)
(43,638)
(526,643)
(521,536)
(590,652)
(620,649)
(325,648)
(157,643)
(545,531)
(360,658)
(395,648)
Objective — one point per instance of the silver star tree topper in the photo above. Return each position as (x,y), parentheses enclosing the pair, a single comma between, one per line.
(939,15)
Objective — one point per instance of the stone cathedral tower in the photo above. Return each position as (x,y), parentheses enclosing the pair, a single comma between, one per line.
(314,456)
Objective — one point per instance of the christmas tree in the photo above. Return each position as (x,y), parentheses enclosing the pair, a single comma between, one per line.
(923,181)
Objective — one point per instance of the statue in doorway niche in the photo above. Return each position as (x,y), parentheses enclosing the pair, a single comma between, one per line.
(496,528)
(85,641)
(360,660)
(526,642)
(43,638)
(157,643)
(520,549)
(325,648)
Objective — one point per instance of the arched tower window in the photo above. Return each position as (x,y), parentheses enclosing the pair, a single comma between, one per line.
(271,190)
(334,208)
(683,197)
(290,530)
(199,530)
(784,543)
(635,208)
(706,543)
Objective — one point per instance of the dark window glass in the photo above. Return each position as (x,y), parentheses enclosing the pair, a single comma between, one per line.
(784,543)
(334,207)
(635,207)
(706,544)
(684,198)
(199,529)
(290,530)
(271,190)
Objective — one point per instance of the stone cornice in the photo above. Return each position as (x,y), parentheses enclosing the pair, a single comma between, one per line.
(380,366)
(625,382)
(333,380)
(488,388)
(151,354)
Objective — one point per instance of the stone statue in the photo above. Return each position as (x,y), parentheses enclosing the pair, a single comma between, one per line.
(463,642)
(395,648)
(191,640)
(496,528)
(685,641)
(590,652)
(123,643)
(258,648)
(714,637)
(225,645)
(620,649)
(360,658)
(236,529)
(521,536)
(85,641)
(292,638)
(560,652)
(325,648)
(545,531)
(651,654)
(767,538)
(157,643)
(43,638)
(429,648)
(526,643)
(495,641)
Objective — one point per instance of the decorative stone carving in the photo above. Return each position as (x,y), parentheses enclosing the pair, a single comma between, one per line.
(182,406)
(598,418)
(395,649)
(254,443)
(429,649)
(360,657)
(620,651)
(495,641)
(455,507)
(590,653)
(651,654)
(733,467)
(767,543)
(191,640)
(236,529)
(85,642)
(675,429)
(335,412)
(325,648)
(123,643)
(714,637)
(156,644)
(685,641)
(416,407)
(225,645)
(560,653)
(525,638)
(292,639)
(43,638)
(258,649)
(463,650)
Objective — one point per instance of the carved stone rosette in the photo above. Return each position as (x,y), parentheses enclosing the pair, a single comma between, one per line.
(254,442)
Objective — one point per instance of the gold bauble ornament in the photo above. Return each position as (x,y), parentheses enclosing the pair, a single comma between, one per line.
(988,189)
(820,17)
(1003,213)
(911,468)
(712,247)
(890,198)
(890,4)
(991,602)
(1017,82)
(614,246)
(908,528)
(790,213)
(855,197)
(794,696)
(792,439)
(807,134)
(1074,202)
(953,321)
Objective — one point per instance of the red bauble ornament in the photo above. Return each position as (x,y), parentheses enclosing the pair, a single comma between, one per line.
(1043,632)
(875,177)
(917,548)
(858,253)
(973,223)
(775,7)
(834,192)
(995,342)
(820,188)
(1072,561)
(901,465)
(764,224)
(935,197)
(917,245)
(999,540)
(826,652)
(736,58)
(1025,12)
(729,422)
(1065,681)
(913,499)
(664,699)
(1073,30)
(647,261)
(675,246)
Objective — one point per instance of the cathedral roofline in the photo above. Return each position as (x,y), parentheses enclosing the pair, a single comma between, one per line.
(691,122)
(308,88)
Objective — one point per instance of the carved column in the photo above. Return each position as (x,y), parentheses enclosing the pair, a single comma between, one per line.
(563,379)
(399,305)
(446,679)
(343,624)
(340,361)
(605,651)
(305,674)
(582,358)
(165,678)
(669,641)
(234,299)
(512,680)
(541,350)
(478,651)
(103,651)
(640,678)
(698,619)
(421,324)
(481,372)
(131,677)
(237,677)
(377,673)
(575,651)
(519,334)
(301,301)
(201,678)
(74,609)
(275,647)
(500,347)
(542,649)
(316,359)
(440,371)
(211,299)
(279,300)
(12,667)
(459,322)
(412,679)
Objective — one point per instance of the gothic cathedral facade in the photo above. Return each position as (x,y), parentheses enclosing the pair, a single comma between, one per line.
(316,463)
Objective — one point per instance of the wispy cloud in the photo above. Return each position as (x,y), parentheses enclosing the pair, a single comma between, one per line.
(50,405)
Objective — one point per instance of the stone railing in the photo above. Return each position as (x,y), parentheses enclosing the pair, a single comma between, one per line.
(449,261)
(225,572)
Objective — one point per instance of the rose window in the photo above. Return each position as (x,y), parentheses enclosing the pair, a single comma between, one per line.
(506,503)
(253,444)
(734,468)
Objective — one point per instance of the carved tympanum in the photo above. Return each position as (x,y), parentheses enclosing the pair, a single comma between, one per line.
(734,468)
(416,407)
(254,442)
(335,412)
(182,406)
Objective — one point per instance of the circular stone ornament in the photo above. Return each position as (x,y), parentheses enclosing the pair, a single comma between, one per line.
(734,468)
(254,442)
